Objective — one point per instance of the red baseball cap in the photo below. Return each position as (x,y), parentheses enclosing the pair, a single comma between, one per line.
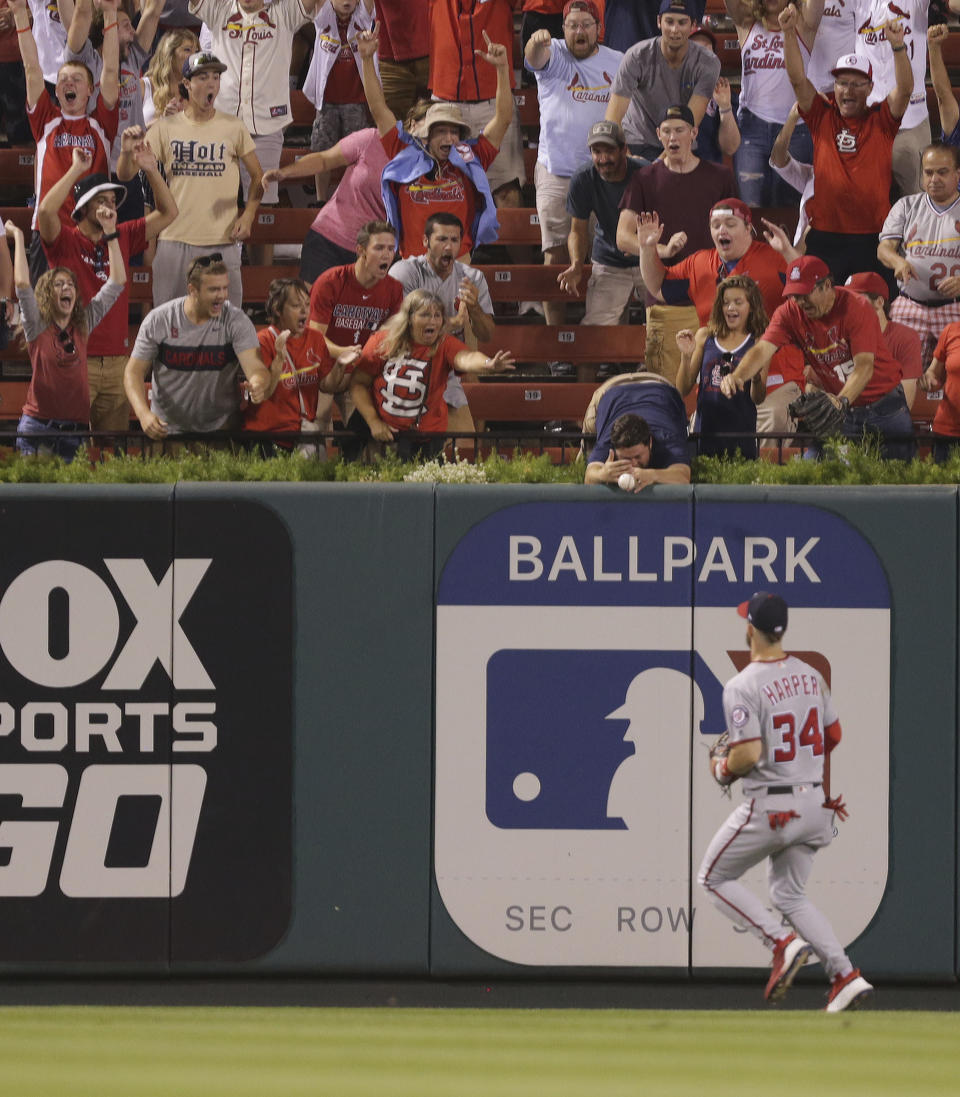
(869,282)
(733,207)
(583,5)
(803,274)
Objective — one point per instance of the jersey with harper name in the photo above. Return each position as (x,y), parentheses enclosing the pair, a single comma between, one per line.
(930,240)
(352,312)
(573,94)
(785,704)
(912,16)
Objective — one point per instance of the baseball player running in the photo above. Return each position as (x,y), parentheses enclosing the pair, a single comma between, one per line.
(782,726)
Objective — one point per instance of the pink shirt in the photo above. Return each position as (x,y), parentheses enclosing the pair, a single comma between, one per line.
(357,199)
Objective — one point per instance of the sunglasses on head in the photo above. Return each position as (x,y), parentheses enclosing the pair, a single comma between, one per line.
(208,260)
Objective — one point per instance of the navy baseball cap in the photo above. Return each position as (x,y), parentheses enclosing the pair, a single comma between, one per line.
(678,112)
(765,611)
(679,7)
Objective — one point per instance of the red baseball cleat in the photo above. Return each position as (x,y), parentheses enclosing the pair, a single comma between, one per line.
(789,957)
(848,992)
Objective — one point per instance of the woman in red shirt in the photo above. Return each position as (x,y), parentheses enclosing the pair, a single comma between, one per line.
(398,384)
(56,326)
(301,367)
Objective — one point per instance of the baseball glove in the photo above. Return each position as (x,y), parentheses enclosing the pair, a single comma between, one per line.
(817,414)
(718,761)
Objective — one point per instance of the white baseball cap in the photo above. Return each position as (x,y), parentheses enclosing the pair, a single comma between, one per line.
(853,62)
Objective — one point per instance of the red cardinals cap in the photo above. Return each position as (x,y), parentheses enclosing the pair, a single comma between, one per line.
(869,282)
(765,611)
(733,207)
(803,274)
(707,33)
(581,5)
(853,62)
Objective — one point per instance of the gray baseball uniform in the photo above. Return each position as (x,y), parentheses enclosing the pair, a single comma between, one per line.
(786,705)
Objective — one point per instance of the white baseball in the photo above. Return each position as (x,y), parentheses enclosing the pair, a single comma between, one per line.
(627,481)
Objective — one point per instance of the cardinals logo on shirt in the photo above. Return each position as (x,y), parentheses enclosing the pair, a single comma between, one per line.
(846,142)
(583,93)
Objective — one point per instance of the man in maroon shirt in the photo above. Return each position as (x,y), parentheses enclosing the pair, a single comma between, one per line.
(82,248)
(845,353)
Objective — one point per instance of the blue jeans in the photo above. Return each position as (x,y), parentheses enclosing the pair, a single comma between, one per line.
(65,447)
(887,417)
(759,184)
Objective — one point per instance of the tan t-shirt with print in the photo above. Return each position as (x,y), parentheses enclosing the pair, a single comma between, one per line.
(200,163)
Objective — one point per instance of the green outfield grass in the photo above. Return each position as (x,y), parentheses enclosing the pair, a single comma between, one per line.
(179,1052)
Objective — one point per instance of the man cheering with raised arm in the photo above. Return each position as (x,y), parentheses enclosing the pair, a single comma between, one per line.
(852,150)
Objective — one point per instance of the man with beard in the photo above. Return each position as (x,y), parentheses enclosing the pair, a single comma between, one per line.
(439,167)
(465,296)
(574,76)
(597,190)
(658,72)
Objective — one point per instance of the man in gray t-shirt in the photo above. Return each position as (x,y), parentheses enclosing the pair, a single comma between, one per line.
(197,346)
(658,72)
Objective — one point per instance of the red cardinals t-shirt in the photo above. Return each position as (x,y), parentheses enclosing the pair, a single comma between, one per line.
(947,418)
(445,190)
(353,312)
(829,343)
(408,389)
(699,274)
(91,264)
(56,139)
(852,165)
(307,362)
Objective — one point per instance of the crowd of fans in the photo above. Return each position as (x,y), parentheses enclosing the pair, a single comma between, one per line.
(159,130)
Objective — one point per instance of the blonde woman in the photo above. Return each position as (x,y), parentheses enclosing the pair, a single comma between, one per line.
(398,384)
(161,84)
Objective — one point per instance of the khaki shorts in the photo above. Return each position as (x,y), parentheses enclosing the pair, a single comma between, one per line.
(268,148)
(609,291)
(509,162)
(109,408)
(552,207)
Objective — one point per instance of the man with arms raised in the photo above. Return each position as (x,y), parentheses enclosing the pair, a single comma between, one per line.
(196,347)
(852,150)
(82,248)
(440,168)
